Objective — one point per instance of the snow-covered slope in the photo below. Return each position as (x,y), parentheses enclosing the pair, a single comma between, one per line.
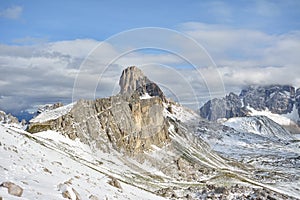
(52,114)
(259,125)
(285,120)
(47,164)
(45,172)
(178,112)
(260,143)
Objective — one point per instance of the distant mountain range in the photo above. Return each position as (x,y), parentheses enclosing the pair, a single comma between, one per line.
(283,100)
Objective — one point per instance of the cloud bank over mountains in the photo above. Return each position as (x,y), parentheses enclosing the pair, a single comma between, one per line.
(45,72)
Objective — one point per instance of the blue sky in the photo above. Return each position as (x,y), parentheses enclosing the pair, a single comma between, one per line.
(73,19)
(44,44)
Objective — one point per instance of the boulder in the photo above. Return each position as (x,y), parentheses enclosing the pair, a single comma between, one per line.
(12,188)
(114,182)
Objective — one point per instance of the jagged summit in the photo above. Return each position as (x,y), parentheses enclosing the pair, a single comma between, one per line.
(133,81)
(7,118)
(131,121)
(281,103)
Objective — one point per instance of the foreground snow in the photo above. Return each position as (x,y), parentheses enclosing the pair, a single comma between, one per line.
(47,164)
(46,173)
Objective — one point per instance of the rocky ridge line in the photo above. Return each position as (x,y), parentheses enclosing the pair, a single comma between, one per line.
(126,121)
(279,99)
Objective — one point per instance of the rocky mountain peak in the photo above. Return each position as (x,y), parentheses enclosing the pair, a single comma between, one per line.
(226,107)
(134,81)
(131,121)
(7,118)
(278,99)
(131,79)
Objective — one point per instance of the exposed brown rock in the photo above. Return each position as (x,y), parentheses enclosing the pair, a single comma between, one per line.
(114,182)
(65,191)
(180,164)
(12,188)
(93,197)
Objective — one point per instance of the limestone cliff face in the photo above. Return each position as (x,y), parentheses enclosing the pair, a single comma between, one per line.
(297,102)
(134,81)
(126,121)
(227,107)
(278,99)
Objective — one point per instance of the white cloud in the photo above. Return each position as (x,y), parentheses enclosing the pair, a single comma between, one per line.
(12,13)
(222,42)
(39,74)
(249,48)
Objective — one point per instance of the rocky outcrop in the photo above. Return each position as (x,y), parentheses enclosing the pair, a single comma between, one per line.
(48,107)
(126,121)
(68,191)
(12,188)
(134,81)
(114,182)
(297,102)
(7,118)
(278,99)
(227,107)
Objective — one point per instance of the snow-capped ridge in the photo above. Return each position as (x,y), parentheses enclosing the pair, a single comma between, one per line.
(7,118)
(260,125)
(52,114)
(178,112)
(280,119)
(268,100)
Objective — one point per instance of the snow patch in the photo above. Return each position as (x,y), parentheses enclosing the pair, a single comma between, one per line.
(146,96)
(180,113)
(294,116)
(52,114)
